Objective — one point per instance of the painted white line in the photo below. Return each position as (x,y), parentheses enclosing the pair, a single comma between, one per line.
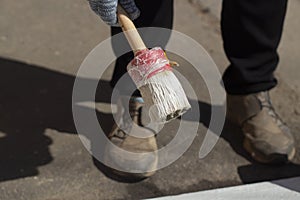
(277,190)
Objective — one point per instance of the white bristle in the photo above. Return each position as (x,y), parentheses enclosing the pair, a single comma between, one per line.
(164,93)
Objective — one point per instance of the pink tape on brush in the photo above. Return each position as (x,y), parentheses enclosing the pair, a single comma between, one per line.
(146,64)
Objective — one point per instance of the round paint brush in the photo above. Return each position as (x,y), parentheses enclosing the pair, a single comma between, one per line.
(151,72)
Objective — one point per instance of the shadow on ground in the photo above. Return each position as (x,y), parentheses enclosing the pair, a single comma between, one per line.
(33,99)
(254,172)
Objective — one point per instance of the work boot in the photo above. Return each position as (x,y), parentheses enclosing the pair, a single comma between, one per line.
(132,137)
(267,138)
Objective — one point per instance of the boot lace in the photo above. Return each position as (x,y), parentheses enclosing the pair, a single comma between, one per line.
(127,120)
(265,101)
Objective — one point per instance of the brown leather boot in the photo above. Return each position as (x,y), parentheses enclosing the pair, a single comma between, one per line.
(139,140)
(267,138)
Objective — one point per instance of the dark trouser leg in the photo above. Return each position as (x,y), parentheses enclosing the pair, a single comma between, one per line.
(154,13)
(251,31)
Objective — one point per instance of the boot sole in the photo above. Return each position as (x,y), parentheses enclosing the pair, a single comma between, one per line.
(127,176)
(130,177)
(275,158)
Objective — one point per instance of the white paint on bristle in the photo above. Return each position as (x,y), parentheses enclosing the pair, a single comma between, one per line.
(164,93)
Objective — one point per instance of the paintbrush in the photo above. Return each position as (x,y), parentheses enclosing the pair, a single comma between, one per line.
(152,73)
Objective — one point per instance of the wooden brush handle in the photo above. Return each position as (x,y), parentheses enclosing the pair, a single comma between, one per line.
(134,39)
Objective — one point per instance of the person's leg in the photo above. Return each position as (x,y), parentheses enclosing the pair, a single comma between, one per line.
(251,31)
(154,13)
